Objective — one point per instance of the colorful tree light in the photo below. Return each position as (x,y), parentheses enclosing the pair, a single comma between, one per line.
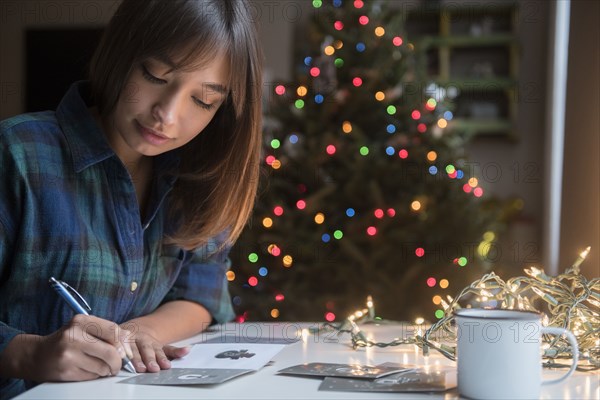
(280,90)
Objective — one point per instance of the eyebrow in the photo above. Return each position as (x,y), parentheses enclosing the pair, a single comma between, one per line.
(165,59)
(217,87)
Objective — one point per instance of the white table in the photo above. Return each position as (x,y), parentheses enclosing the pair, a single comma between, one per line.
(266,384)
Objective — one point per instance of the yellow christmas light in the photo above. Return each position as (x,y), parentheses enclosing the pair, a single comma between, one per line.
(302,91)
(347,127)
(319,218)
(230,275)
(572,303)
(287,261)
(267,222)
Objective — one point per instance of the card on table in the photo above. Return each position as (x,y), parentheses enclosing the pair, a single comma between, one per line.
(424,379)
(211,363)
(187,376)
(341,370)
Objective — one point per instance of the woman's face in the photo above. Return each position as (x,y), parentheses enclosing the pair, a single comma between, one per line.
(162,108)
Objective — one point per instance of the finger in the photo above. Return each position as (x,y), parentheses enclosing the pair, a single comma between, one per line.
(173,352)
(81,374)
(162,359)
(109,332)
(106,354)
(93,368)
(148,354)
(137,360)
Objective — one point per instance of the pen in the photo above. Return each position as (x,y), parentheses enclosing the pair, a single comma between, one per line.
(81,307)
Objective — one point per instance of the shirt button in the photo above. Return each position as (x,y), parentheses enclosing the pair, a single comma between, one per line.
(133,286)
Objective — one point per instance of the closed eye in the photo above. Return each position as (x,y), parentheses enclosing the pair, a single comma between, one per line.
(149,77)
(202,104)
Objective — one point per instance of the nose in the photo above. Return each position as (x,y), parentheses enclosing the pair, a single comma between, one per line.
(164,110)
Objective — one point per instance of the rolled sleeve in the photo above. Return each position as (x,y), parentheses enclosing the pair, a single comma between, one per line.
(202,279)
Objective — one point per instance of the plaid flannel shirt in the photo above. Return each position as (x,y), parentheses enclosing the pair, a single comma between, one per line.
(68,209)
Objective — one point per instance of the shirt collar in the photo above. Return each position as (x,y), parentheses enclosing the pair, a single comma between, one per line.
(83,134)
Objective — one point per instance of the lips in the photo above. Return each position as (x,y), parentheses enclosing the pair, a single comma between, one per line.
(151,136)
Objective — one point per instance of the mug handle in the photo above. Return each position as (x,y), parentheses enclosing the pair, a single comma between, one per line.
(574,350)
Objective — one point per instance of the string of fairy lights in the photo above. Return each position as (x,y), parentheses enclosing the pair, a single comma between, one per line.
(431,116)
(571,302)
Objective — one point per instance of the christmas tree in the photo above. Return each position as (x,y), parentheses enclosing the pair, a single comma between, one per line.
(365,189)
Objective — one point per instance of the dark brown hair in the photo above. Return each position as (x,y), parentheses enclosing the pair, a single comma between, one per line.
(218,175)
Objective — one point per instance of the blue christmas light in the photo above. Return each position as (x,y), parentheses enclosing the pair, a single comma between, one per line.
(263,271)
(325,238)
(337,3)
(360,47)
(433,170)
(319,99)
(237,300)
(448,115)
(293,138)
(459,174)
(391,128)
(390,151)
(350,212)
(308,61)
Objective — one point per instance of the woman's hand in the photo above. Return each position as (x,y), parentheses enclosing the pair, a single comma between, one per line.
(149,354)
(86,348)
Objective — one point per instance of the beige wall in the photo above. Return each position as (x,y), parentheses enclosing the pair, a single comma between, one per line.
(580,222)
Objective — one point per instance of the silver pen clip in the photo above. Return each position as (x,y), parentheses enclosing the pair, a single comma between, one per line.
(77,295)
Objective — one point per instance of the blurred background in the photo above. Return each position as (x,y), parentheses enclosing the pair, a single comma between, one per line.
(468,144)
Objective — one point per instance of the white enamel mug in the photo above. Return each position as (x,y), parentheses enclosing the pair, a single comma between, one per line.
(499,353)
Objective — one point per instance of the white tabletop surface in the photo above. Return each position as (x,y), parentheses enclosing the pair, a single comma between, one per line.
(322,347)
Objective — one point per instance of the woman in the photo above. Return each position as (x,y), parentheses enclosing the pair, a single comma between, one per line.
(132,192)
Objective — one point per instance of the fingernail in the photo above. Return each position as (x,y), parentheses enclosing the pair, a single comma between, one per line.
(153,364)
(140,366)
(128,351)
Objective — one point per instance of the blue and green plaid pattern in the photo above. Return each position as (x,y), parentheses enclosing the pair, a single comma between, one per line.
(68,209)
